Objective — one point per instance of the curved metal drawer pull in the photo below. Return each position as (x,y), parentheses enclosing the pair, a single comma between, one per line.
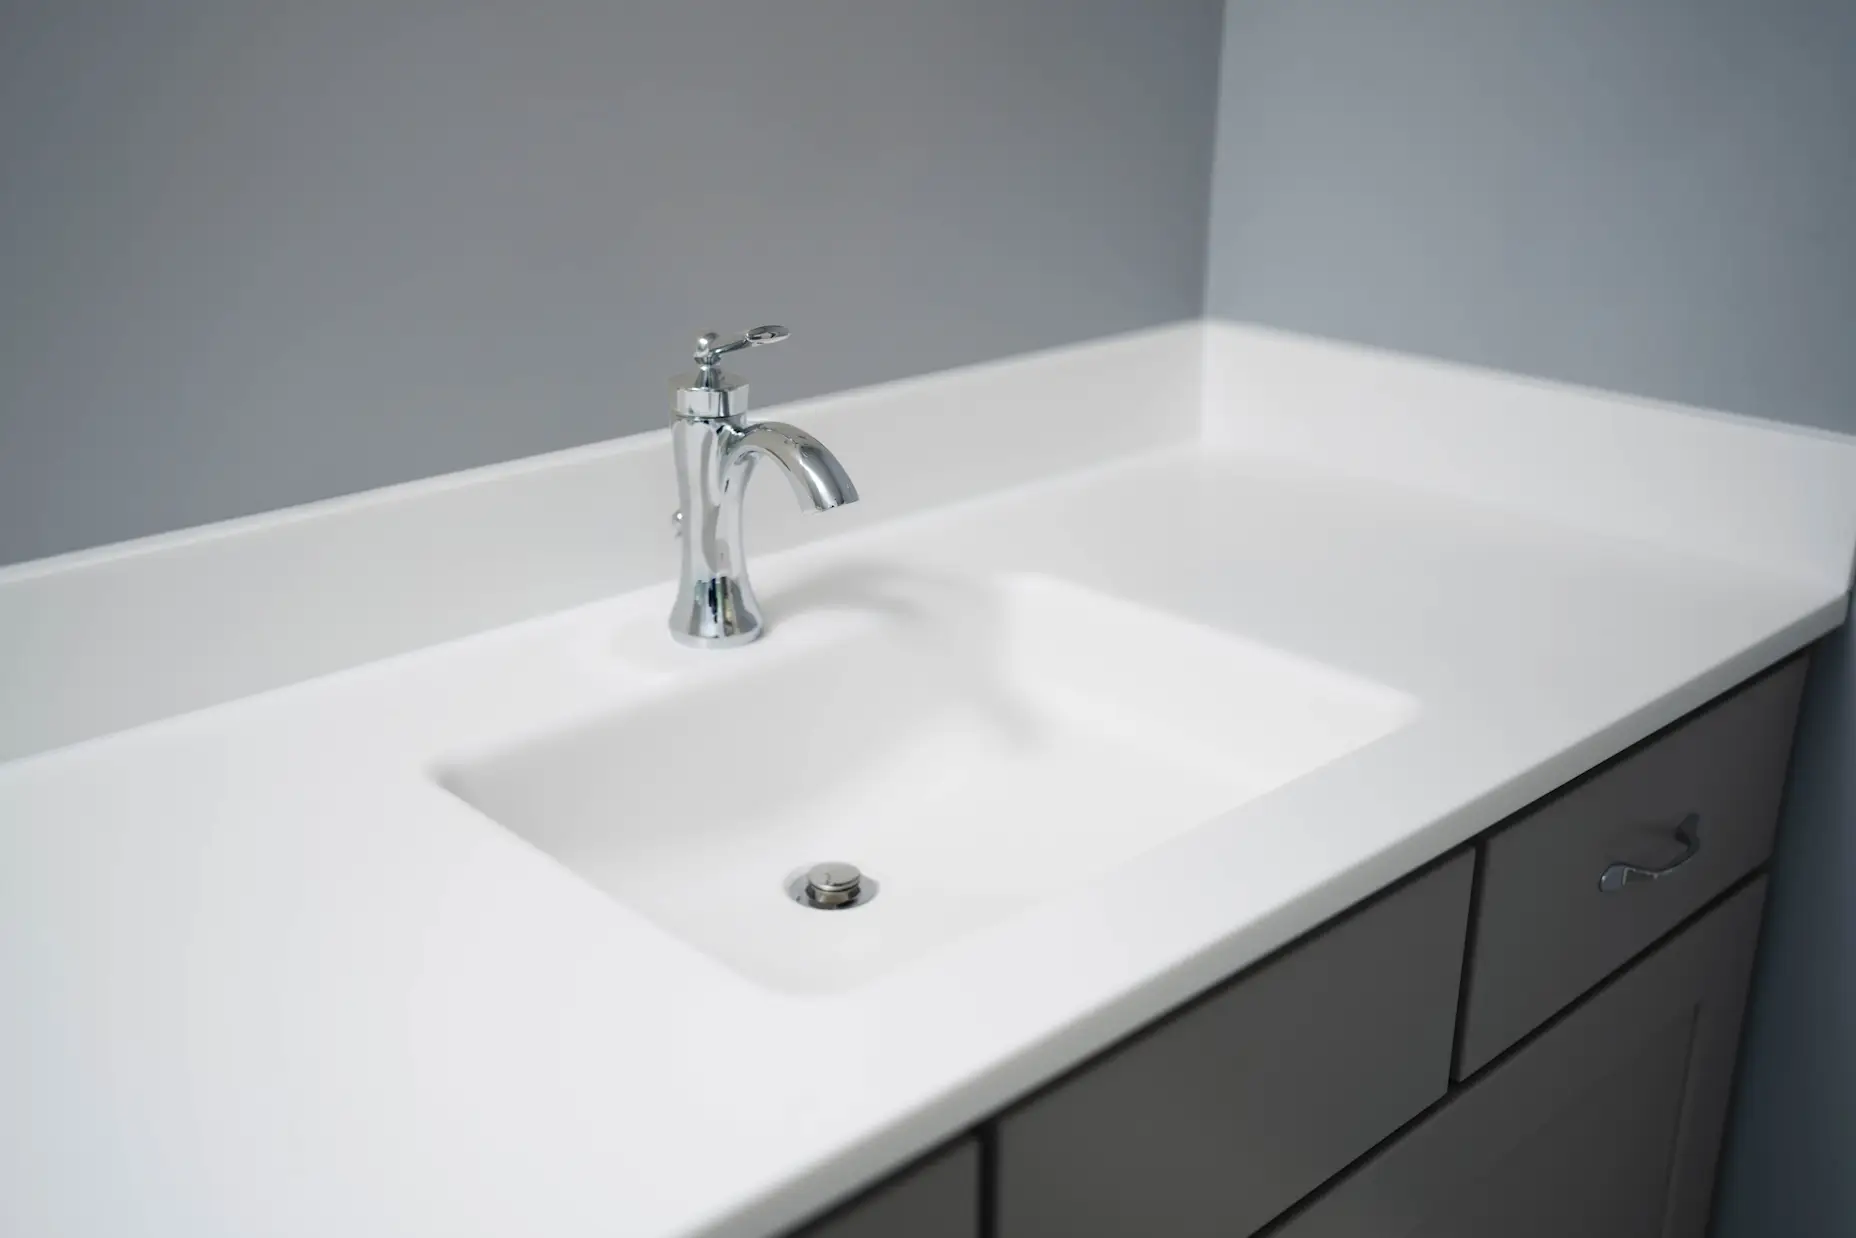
(1688,833)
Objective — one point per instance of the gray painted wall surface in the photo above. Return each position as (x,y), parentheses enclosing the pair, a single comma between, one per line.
(1657,197)
(1653,196)
(258,254)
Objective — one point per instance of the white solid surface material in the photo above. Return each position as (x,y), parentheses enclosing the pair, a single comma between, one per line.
(1711,482)
(975,744)
(264,973)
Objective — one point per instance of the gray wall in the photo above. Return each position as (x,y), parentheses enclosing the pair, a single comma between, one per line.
(254,254)
(1652,195)
(1656,196)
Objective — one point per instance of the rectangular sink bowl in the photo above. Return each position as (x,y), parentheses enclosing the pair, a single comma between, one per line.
(972,745)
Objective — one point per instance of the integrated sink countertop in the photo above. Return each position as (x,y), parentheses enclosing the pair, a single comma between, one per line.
(490,937)
(976,744)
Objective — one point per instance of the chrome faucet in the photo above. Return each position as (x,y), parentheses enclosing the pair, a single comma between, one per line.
(715,451)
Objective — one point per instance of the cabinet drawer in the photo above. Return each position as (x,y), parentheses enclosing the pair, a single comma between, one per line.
(1546,931)
(938,1197)
(1608,1126)
(1221,1116)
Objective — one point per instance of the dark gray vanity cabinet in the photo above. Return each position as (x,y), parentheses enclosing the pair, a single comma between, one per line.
(1224,1114)
(1604,1126)
(936,1198)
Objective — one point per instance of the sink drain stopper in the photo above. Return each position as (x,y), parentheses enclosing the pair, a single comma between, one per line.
(832,886)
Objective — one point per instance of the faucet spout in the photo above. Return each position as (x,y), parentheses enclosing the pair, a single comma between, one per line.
(819,482)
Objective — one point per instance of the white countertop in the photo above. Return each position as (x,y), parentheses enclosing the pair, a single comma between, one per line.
(262,975)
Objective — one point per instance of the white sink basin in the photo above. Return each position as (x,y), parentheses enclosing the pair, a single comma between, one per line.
(974,746)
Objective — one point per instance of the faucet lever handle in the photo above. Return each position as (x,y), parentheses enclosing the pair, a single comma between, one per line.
(710,349)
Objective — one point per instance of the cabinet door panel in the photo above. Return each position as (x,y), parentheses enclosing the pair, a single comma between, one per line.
(1607,1125)
(1613,1144)
(1214,1121)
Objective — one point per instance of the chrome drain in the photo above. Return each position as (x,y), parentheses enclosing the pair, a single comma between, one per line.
(832,886)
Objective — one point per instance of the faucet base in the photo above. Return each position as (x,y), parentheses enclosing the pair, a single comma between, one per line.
(719,612)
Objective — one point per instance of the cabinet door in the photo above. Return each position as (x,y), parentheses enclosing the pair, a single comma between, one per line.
(1227,1112)
(937,1198)
(1606,1126)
